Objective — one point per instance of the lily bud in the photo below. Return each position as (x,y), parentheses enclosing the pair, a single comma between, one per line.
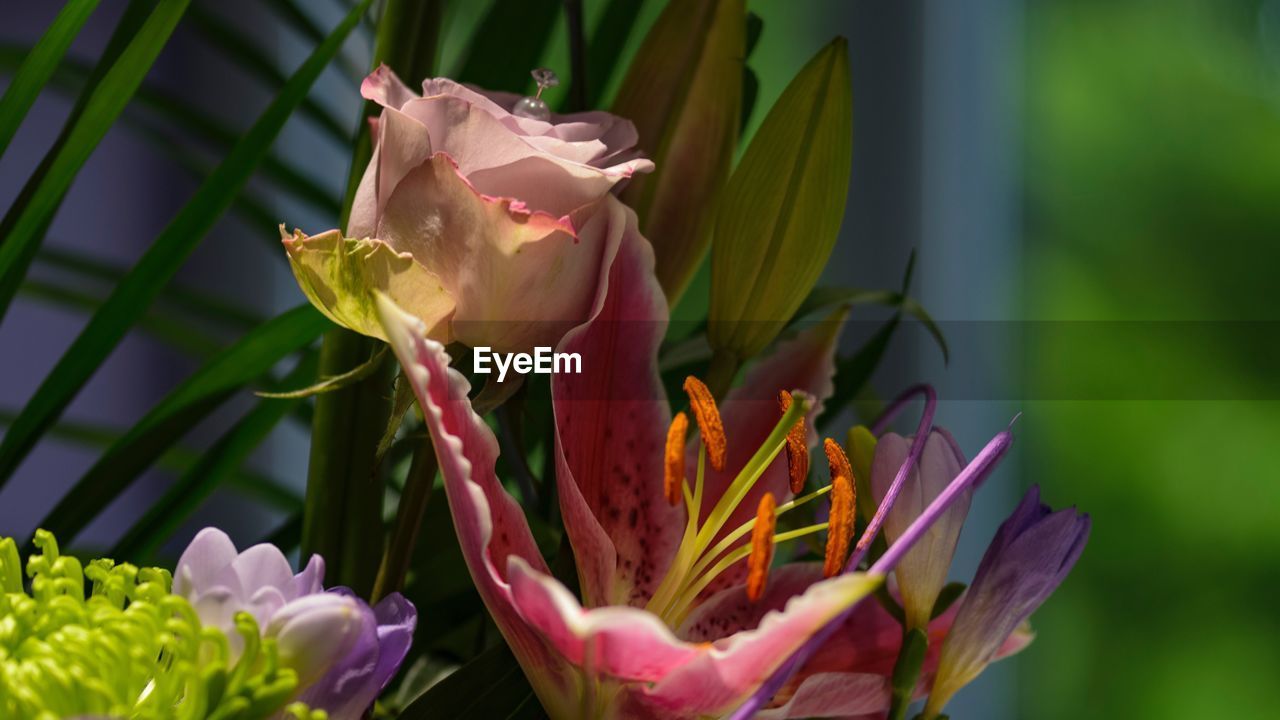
(683,92)
(314,632)
(1029,557)
(782,208)
(923,571)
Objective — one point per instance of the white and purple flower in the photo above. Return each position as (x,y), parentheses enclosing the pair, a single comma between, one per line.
(344,652)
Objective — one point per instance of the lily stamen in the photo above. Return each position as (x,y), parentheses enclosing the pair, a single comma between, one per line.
(797,448)
(739,532)
(761,557)
(840,533)
(707,415)
(673,478)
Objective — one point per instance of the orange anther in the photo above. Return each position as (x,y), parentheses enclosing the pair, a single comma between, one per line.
(839,525)
(710,426)
(797,448)
(837,460)
(761,546)
(673,480)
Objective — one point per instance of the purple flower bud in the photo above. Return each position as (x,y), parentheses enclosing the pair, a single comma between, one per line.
(1029,557)
(314,632)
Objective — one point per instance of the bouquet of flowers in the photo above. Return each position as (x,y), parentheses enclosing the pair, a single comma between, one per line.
(574,372)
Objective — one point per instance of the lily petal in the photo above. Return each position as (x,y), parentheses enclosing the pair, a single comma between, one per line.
(490,525)
(849,674)
(716,681)
(611,422)
(923,571)
(619,642)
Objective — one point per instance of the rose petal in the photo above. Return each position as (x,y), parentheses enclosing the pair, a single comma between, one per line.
(518,279)
(338,275)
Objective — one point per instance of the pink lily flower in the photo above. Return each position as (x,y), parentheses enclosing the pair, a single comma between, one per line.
(678,617)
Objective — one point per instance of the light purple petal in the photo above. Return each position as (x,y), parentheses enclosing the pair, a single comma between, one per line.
(203,560)
(346,691)
(311,579)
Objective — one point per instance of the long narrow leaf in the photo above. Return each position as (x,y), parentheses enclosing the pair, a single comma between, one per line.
(490,686)
(163,106)
(258,63)
(217,464)
(173,417)
(164,327)
(136,292)
(34,210)
(198,304)
(291,13)
(606,47)
(39,65)
(508,43)
(177,459)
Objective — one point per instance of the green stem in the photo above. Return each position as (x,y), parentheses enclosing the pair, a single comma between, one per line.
(906,672)
(404,532)
(343,516)
(343,520)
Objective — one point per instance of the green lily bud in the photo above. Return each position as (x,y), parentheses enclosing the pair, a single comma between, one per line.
(683,92)
(781,210)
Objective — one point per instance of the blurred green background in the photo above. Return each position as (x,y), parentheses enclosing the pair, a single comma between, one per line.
(1152,193)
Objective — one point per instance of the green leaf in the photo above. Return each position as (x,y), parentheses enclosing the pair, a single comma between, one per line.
(302,22)
(683,91)
(235,43)
(139,288)
(250,358)
(781,211)
(854,372)
(177,459)
(201,305)
(823,297)
(153,106)
(163,326)
(490,686)
(217,464)
(38,65)
(35,207)
(508,43)
(947,597)
(329,384)
(607,44)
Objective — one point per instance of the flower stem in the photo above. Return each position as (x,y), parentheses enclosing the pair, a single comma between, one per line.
(906,672)
(404,533)
(343,515)
(342,520)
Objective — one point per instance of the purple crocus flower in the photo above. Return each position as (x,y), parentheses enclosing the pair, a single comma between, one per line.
(1029,557)
(344,652)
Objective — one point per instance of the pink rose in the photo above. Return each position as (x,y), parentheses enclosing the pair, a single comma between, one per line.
(492,229)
